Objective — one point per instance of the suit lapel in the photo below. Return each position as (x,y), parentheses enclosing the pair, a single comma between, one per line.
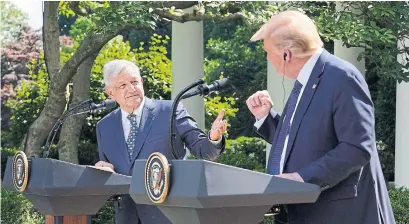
(148,115)
(305,100)
(119,136)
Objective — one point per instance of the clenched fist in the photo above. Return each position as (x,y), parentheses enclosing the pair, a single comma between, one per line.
(260,104)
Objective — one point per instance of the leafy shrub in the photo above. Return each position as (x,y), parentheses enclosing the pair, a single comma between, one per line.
(5,153)
(245,152)
(15,208)
(400,204)
(105,215)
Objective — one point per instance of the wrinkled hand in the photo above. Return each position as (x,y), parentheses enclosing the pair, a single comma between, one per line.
(291,176)
(219,127)
(105,166)
(260,104)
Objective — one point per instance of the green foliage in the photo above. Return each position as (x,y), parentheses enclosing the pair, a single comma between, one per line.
(5,153)
(66,7)
(245,152)
(15,208)
(123,14)
(155,66)
(400,204)
(105,215)
(385,115)
(12,20)
(245,65)
(28,102)
(375,26)
(254,13)
(79,29)
(214,104)
(108,16)
(87,153)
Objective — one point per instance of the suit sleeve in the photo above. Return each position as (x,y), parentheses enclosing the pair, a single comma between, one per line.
(353,117)
(101,154)
(269,127)
(194,138)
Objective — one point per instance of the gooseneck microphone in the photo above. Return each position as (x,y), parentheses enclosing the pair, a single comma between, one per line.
(94,108)
(204,89)
(86,106)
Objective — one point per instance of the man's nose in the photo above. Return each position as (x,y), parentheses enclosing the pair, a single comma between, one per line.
(131,87)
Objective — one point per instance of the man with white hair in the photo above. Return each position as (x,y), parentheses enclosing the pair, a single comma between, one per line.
(140,127)
(325,134)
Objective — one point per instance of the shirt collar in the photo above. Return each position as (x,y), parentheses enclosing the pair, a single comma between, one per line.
(137,111)
(306,70)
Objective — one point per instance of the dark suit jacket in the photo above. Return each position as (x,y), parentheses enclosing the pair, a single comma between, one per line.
(332,144)
(153,136)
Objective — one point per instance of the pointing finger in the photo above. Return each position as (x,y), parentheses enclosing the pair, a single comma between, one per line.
(221,115)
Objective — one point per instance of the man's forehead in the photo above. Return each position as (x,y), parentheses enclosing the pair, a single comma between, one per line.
(124,74)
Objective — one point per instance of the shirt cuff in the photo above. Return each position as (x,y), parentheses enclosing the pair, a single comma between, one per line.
(260,122)
(217,142)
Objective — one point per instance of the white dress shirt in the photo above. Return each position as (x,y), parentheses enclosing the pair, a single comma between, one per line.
(126,123)
(303,77)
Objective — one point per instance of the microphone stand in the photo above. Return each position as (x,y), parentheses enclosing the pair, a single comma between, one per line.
(175,103)
(57,126)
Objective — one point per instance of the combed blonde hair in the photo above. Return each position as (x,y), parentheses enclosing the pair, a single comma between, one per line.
(291,30)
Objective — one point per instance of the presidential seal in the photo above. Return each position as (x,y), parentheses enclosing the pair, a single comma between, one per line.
(157,177)
(20,171)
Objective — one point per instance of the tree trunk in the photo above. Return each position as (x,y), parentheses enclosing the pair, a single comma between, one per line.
(71,129)
(51,38)
(54,107)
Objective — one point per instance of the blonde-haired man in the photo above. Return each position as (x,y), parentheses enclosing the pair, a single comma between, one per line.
(325,135)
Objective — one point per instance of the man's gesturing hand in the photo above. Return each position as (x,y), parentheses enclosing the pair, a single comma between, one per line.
(219,126)
(260,104)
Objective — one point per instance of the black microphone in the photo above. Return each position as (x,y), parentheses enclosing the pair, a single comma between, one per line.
(104,105)
(203,90)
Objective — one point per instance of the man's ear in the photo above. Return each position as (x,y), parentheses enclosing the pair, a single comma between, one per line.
(108,91)
(287,54)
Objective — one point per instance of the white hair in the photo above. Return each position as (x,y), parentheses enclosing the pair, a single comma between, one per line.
(115,67)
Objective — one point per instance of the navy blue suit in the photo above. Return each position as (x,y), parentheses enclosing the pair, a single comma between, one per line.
(332,144)
(153,136)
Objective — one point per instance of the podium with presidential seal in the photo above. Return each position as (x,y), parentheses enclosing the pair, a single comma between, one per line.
(65,192)
(186,191)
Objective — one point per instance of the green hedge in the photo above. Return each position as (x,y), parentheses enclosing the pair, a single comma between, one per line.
(15,208)
(245,152)
(400,204)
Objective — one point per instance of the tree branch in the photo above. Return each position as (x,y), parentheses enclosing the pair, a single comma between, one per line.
(53,108)
(71,129)
(182,17)
(90,44)
(177,4)
(75,6)
(51,36)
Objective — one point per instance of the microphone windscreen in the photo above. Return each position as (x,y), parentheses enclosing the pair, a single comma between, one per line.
(110,104)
